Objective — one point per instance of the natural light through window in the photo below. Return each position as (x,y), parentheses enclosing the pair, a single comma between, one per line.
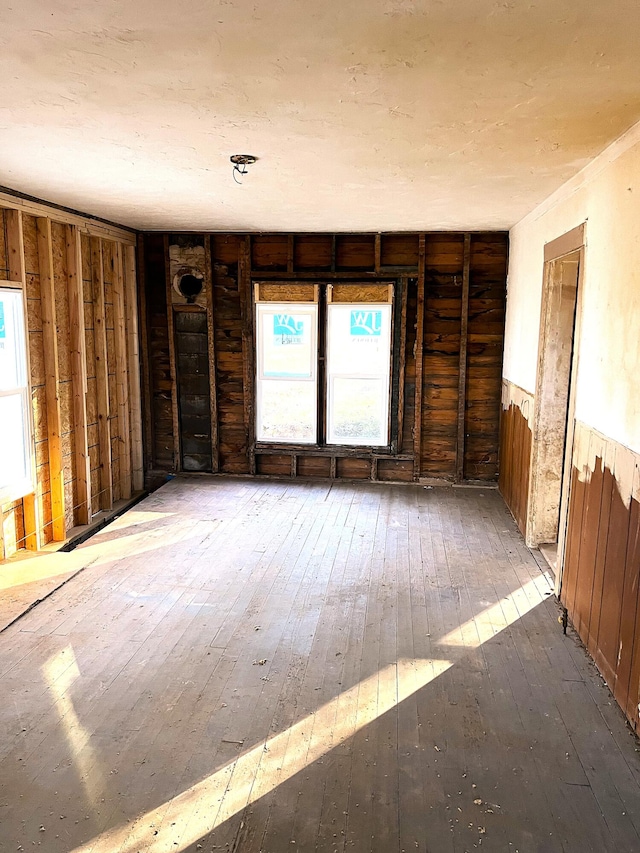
(287,389)
(178,823)
(15,430)
(358,367)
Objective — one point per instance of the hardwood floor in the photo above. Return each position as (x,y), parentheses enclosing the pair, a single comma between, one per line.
(252,665)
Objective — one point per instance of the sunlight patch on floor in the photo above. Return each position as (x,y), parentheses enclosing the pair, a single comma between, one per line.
(183,820)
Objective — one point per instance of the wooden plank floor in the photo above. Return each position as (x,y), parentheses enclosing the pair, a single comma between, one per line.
(251,665)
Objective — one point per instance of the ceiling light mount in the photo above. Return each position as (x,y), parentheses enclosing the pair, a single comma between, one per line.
(240,163)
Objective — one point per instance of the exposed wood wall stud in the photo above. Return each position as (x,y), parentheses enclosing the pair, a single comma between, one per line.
(145,386)
(403,285)
(244,286)
(122,381)
(52,381)
(133,368)
(417,427)
(462,386)
(102,377)
(16,268)
(78,353)
(213,385)
(175,414)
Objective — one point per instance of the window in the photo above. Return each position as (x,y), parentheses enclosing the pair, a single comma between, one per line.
(287,383)
(15,426)
(329,385)
(358,366)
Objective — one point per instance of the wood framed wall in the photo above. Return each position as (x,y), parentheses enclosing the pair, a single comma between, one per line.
(450,304)
(78,277)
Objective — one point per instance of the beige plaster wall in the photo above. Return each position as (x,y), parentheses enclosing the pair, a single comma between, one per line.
(605,195)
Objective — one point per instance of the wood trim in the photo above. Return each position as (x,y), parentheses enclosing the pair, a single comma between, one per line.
(102,377)
(52,380)
(133,371)
(564,245)
(403,284)
(122,378)
(175,414)
(419,357)
(86,224)
(462,370)
(77,343)
(145,386)
(377,249)
(17,273)
(213,385)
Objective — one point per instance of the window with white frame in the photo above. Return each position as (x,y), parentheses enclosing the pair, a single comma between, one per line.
(287,374)
(329,385)
(358,373)
(16,478)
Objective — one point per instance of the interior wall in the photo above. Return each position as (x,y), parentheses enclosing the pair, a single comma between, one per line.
(449,321)
(604,196)
(79,282)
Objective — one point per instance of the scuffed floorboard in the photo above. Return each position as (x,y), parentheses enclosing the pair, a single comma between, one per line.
(269,666)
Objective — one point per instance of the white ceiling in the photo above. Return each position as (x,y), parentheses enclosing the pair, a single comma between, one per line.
(366,115)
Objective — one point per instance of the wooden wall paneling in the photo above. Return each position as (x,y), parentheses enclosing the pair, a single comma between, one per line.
(629,605)
(213,388)
(102,377)
(419,359)
(28,508)
(175,416)
(609,653)
(133,368)
(402,358)
(122,371)
(246,302)
(78,353)
(52,380)
(462,371)
(633,571)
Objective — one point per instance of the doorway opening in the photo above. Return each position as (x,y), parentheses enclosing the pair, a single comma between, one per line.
(553,427)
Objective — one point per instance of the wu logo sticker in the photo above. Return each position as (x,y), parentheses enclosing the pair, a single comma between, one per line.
(3,328)
(366,323)
(287,329)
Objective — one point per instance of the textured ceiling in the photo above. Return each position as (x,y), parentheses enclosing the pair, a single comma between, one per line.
(366,115)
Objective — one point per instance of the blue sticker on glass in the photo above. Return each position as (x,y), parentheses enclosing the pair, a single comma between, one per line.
(366,323)
(288,329)
(3,328)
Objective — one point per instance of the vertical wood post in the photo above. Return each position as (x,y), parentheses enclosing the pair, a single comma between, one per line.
(246,302)
(378,252)
(175,412)
(52,381)
(17,272)
(418,351)
(462,372)
(102,377)
(403,285)
(77,343)
(122,379)
(213,386)
(145,386)
(133,364)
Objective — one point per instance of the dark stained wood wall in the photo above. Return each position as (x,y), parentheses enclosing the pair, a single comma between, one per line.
(515,463)
(600,583)
(450,295)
